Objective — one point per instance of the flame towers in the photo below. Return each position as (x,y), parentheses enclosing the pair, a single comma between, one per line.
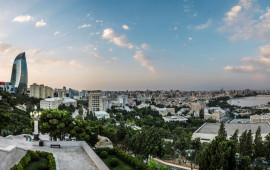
(19,75)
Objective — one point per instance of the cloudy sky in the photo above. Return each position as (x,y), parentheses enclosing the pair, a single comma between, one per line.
(127,44)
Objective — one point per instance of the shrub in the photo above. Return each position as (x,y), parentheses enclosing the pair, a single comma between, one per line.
(35,156)
(114,162)
(42,167)
(31,155)
(104,154)
(128,159)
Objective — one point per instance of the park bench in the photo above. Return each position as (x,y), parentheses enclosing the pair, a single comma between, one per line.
(55,145)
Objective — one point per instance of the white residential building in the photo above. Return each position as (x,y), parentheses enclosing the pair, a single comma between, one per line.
(215,113)
(101,114)
(41,91)
(174,118)
(259,118)
(97,102)
(208,131)
(54,103)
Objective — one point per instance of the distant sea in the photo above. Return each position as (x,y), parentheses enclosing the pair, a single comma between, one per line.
(250,101)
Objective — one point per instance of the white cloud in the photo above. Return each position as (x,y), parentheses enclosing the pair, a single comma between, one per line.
(141,58)
(145,46)
(114,58)
(125,27)
(233,13)
(175,28)
(84,26)
(99,21)
(265,50)
(203,26)
(260,64)
(56,33)
(23,18)
(41,23)
(241,69)
(117,39)
(246,20)
(246,3)
(189,38)
(88,15)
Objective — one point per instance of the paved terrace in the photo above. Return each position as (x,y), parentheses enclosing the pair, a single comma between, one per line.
(72,155)
(213,128)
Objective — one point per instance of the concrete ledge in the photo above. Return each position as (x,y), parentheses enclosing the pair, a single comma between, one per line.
(94,157)
(8,149)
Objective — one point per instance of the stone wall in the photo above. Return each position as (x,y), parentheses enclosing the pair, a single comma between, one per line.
(9,159)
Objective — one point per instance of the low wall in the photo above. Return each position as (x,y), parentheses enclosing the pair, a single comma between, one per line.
(9,159)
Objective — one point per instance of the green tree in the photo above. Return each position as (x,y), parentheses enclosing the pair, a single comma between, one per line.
(4,120)
(81,110)
(121,132)
(234,137)
(79,117)
(258,144)
(244,163)
(246,144)
(148,141)
(220,154)
(222,132)
(55,122)
(85,130)
(196,145)
(267,148)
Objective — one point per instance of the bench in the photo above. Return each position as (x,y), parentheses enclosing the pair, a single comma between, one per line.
(55,145)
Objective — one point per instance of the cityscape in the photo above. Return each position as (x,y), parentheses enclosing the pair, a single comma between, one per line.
(96,93)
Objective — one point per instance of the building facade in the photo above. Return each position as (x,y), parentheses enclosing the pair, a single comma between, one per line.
(54,103)
(19,75)
(97,102)
(41,91)
(259,118)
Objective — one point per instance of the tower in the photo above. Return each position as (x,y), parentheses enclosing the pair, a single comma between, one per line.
(19,75)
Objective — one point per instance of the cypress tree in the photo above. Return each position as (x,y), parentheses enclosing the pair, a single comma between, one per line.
(258,144)
(234,137)
(220,154)
(249,146)
(267,148)
(222,132)
(243,143)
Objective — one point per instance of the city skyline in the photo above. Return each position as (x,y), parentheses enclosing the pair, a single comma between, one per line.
(138,45)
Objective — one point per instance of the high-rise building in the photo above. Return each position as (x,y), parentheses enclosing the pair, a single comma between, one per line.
(41,91)
(96,101)
(19,75)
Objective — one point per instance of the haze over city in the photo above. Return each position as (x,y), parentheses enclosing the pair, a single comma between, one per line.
(119,45)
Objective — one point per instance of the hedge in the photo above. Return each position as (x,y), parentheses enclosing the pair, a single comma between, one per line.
(128,159)
(32,155)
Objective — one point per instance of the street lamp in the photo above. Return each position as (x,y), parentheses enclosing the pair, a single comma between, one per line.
(35,116)
(189,155)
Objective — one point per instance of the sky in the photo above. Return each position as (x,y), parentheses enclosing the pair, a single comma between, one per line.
(138,45)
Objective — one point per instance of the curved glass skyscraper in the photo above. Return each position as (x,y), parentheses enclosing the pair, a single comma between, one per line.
(19,75)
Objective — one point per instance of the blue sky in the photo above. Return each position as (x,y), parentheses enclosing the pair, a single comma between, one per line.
(127,44)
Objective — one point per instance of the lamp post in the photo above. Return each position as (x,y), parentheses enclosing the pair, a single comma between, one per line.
(35,116)
(189,155)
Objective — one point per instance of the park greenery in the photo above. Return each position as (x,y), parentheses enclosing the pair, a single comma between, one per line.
(36,160)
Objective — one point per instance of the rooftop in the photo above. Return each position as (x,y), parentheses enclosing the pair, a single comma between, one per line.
(72,154)
(212,128)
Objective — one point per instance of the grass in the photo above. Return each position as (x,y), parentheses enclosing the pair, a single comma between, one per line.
(122,165)
(34,165)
